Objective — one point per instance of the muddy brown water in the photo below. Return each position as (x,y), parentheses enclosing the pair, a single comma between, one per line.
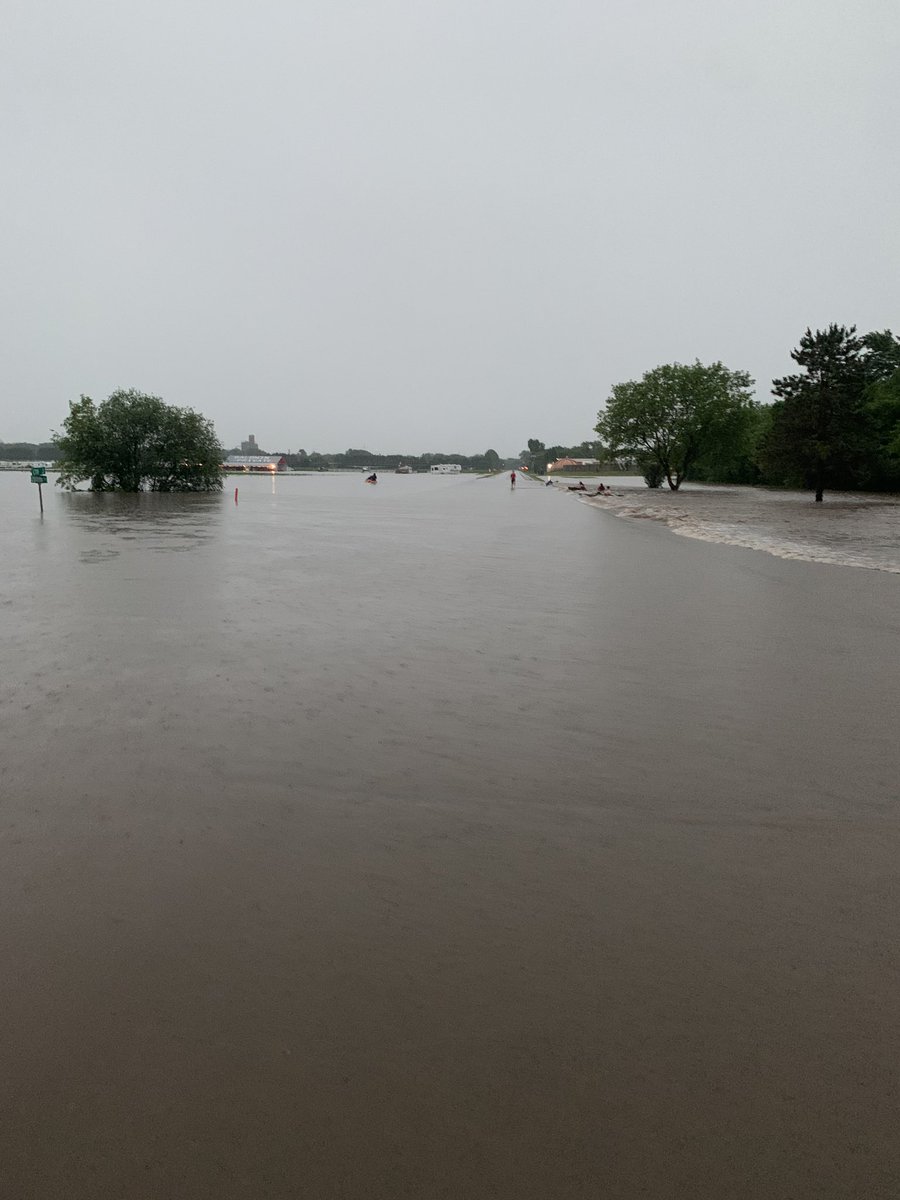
(437,841)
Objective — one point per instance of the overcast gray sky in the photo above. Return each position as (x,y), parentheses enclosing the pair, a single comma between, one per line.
(434,225)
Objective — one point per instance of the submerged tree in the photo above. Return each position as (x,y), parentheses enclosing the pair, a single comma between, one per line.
(133,442)
(674,416)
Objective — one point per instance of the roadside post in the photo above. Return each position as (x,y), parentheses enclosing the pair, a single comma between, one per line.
(39,476)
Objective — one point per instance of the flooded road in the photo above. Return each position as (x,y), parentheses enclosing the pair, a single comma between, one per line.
(434,840)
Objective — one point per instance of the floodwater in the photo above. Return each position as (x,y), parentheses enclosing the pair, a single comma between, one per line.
(437,840)
(847,528)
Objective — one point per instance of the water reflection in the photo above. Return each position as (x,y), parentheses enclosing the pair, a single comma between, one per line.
(180,521)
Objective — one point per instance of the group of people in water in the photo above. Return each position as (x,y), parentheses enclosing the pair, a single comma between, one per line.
(572,487)
(579,487)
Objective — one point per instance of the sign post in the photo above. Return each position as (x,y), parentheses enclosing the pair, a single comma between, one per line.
(39,476)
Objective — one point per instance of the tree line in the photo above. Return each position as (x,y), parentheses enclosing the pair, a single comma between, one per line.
(28,451)
(349,460)
(833,424)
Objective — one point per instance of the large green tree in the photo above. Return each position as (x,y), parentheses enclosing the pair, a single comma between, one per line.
(133,442)
(676,415)
(821,435)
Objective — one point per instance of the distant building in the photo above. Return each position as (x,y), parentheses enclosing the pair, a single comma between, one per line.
(250,447)
(445,468)
(255,462)
(573,464)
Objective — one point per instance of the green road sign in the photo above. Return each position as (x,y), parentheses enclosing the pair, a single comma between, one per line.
(38,475)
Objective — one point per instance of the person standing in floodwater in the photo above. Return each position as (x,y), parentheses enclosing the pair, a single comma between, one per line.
(512,479)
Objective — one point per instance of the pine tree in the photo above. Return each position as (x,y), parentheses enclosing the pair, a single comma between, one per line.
(819,435)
